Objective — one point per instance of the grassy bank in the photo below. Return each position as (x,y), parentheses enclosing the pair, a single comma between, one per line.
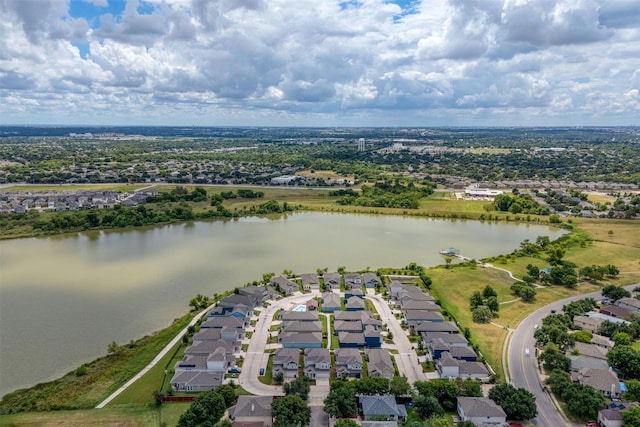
(93,382)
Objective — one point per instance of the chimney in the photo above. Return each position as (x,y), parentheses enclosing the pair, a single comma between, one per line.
(253,407)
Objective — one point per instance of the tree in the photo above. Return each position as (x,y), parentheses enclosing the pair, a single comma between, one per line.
(488,292)
(341,402)
(626,359)
(621,338)
(205,410)
(614,293)
(278,378)
(492,303)
(466,423)
(631,416)
(426,406)
(199,302)
(583,336)
(444,390)
(290,411)
(528,294)
(517,403)
(476,300)
(554,359)
(346,423)
(399,386)
(298,387)
(113,348)
(372,385)
(633,390)
(482,314)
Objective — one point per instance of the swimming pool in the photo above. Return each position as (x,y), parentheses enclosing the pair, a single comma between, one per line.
(300,308)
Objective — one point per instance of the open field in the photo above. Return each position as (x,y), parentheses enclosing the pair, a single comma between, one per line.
(139,416)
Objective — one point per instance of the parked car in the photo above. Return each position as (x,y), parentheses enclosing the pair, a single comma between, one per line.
(234,370)
(261,371)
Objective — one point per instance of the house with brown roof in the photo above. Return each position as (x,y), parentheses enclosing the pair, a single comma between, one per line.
(604,380)
(591,350)
(283,284)
(252,409)
(619,312)
(586,323)
(481,411)
(630,303)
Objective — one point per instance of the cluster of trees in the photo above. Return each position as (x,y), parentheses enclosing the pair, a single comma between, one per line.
(615,293)
(524,291)
(179,194)
(599,272)
(242,193)
(385,194)
(625,359)
(208,407)
(519,204)
(517,403)
(554,329)
(611,329)
(582,401)
(484,306)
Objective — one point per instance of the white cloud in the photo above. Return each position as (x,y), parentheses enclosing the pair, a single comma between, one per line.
(322,62)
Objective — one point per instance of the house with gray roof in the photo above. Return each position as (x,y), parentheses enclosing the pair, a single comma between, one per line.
(301,316)
(629,303)
(604,380)
(602,341)
(285,285)
(221,322)
(410,304)
(481,411)
(580,362)
(419,316)
(353,291)
(234,299)
(300,339)
(286,360)
(310,282)
(354,304)
(209,346)
(352,279)
(317,363)
(448,327)
(298,326)
(347,326)
(258,294)
(371,280)
(448,367)
(365,317)
(252,409)
(351,339)
(374,407)
(379,424)
(450,339)
(586,323)
(330,302)
(379,363)
(348,363)
(591,350)
(611,416)
(332,280)
(196,380)
(394,287)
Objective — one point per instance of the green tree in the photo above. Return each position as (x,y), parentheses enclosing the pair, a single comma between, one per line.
(552,358)
(298,387)
(583,336)
(621,338)
(489,292)
(614,293)
(290,411)
(399,386)
(633,391)
(346,423)
(631,416)
(426,406)
(482,314)
(466,423)
(476,300)
(445,391)
(341,402)
(492,303)
(517,403)
(205,410)
(528,294)
(626,359)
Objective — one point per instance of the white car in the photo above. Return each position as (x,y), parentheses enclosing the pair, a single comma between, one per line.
(526,351)
(535,326)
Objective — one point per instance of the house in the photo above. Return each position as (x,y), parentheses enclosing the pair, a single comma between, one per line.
(346,326)
(258,294)
(330,302)
(221,322)
(581,362)
(379,363)
(591,350)
(602,341)
(209,346)
(301,316)
(371,280)
(284,285)
(448,367)
(410,304)
(404,297)
(250,409)
(448,327)
(351,339)
(379,424)
(234,299)
(372,337)
(196,380)
(355,304)
(481,411)
(629,303)
(310,282)
(611,416)
(286,360)
(376,407)
(348,363)
(352,279)
(394,287)
(297,326)
(365,317)
(437,347)
(604,380)
(355,291)
(332,280)
(419,316)
(215,334)
(238,310)
(317,363)
(300,339)
(617,311)
(586,323)
(447,338)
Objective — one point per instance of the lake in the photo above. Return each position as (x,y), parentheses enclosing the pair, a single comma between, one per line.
(63,299)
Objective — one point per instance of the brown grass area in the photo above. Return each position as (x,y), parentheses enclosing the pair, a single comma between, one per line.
(141,416)
(324,175)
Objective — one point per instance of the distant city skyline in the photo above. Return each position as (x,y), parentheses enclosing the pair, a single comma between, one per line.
(320,63)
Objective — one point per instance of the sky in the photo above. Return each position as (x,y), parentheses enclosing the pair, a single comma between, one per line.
(320,62)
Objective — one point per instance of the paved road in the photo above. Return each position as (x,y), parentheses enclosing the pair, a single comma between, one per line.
(524,370)
(406,359)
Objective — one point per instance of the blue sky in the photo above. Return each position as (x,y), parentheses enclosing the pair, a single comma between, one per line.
(320,62)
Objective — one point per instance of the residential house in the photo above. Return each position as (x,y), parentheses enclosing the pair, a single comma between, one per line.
(372,337)
(252,409)
(330,302)
(215,334)
(394,287)
(437,347)
(300,339)
(598,315)
(312,304)
(301,316)
(379,363)
(207,347)
(591,350)
(379,424)
(371,280)
(317,363)
(420,305)
(602,341)
(618,311)
(283,284)
(581,362)
(234,299)
(413,317)
(481,411)
(258,294)
(611,416)
(450,339)
(355,291)
(629,303)
(310,282)
(238,310)
(347,326)
(221,322)
(448,367)
(352,279)
(404,297)
(196,380)
(351,339)
(448,327)
(586,323)
(365,317)
(348,363)
(354,304)
(332,280)
(604,380)
(375,407)
(286,360)
(298,326)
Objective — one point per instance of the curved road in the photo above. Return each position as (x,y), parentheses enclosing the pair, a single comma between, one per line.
(524,369)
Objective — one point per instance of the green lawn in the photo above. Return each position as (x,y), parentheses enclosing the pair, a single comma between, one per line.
(267,378)
(138,416)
